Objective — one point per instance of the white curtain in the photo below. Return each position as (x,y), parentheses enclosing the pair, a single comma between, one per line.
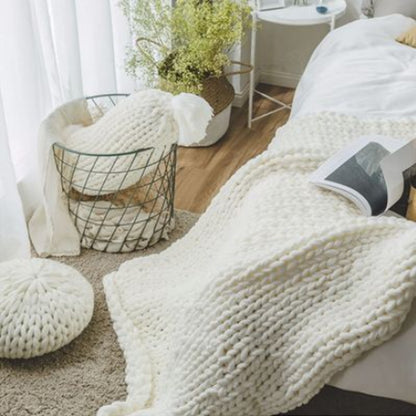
(14,241)
(51,51)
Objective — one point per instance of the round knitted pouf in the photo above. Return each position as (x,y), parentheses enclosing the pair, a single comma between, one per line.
(43,306)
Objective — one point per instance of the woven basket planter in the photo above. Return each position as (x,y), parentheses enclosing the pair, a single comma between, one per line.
(219,93)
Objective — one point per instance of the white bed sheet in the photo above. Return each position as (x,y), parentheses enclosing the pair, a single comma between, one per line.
(359,69)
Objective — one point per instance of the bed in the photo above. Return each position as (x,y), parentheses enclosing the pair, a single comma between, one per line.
(361,70)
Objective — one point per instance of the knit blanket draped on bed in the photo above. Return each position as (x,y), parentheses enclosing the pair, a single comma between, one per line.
(278,286)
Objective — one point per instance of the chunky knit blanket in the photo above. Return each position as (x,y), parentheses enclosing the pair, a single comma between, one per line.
(147,119)
(278,286)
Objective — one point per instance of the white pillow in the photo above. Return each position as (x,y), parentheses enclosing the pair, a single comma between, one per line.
(367,8)
(385,7)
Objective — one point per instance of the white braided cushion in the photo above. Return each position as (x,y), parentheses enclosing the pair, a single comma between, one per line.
(44,305)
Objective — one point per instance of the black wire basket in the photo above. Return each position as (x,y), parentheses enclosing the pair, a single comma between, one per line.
(127,206)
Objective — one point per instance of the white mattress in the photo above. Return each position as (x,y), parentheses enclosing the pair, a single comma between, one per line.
(359,69)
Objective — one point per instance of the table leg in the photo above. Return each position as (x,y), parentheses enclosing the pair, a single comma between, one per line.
(332,24)
(253,71)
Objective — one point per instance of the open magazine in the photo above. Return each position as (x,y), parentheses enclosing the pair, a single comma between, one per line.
(376,173)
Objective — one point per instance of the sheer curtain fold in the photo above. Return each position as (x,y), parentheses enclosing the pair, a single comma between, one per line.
(103,46)
(52,51)
(14,241)
(57,44)
(96,49)
(121,39)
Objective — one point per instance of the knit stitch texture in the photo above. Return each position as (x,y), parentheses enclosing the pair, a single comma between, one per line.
(44,305)
(278,286)
(140,121)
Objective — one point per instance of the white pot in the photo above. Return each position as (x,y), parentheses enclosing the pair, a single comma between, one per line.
(217,127)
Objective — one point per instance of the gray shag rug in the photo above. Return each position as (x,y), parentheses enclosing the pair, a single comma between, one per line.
(89,372)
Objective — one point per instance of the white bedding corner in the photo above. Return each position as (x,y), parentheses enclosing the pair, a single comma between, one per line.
(360,69)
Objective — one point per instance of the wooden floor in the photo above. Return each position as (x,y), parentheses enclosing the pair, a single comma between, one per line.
(202,171)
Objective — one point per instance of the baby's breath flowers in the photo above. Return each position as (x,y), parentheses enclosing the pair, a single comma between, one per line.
(180,47)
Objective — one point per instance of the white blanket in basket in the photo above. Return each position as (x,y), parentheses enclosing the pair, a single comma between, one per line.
(147,119)
(278,286)
(51,228)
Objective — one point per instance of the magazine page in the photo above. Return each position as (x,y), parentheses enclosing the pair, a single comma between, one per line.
(399,171)
(355,172)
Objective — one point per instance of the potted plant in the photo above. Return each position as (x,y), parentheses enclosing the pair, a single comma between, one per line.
(185,48)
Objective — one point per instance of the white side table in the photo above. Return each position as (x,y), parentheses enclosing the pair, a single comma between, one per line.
(291,16)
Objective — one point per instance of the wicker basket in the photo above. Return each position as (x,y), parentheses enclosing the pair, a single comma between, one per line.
(124,219)
(218,92)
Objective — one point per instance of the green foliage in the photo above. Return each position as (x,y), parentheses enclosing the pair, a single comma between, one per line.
(183,45)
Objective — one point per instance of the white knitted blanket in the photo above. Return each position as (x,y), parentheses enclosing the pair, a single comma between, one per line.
(140,121)
(147,119)
(278,286)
